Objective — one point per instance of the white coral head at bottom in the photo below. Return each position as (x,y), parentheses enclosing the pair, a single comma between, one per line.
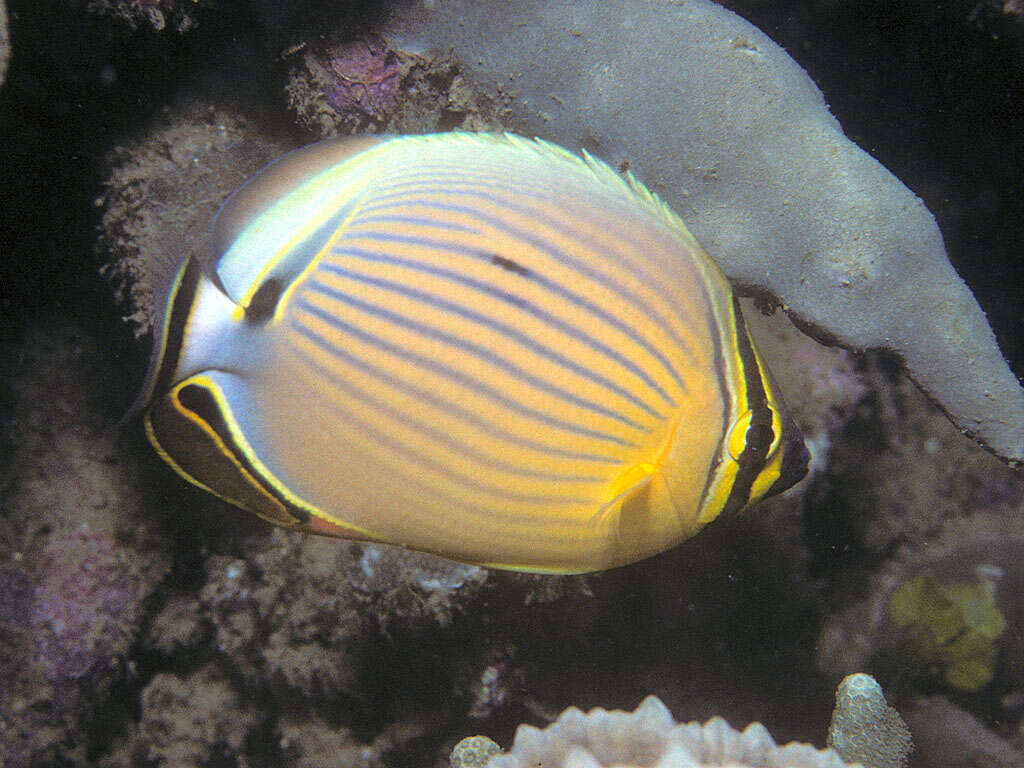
(649,737)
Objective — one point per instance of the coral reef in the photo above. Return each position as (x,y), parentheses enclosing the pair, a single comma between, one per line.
(411,593)
(823,386)
(474,752)
(353,84)
(310,742)
(946,736)
(163,194)
(188,723)
(902,472)
(865,728)
(299,612)
(158,15)
(291,620)
(172,628)
(280,614)
(364,84)
(951,626)
(828,239)
(650,738)
(77,562)
(954,593)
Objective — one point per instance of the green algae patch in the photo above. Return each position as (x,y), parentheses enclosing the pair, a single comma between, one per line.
(950,628)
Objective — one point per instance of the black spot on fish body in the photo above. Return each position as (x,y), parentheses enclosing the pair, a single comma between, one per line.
(510,265)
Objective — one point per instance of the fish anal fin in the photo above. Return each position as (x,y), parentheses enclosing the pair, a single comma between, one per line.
(630,501)
(322,526)
(186,427)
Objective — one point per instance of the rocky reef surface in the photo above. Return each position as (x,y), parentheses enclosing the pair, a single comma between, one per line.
(5,43)
(79,562)
(143,623)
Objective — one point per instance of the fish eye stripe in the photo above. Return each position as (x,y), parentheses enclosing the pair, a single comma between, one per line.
(264,301)
(760,434)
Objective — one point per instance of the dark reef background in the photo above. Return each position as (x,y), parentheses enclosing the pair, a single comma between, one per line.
(144,624)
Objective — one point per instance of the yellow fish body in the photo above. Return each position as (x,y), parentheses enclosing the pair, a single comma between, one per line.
(479,346)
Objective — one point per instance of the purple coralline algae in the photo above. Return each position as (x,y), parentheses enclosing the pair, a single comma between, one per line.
(77,564)
(82,605)
(367,75)
(348,85)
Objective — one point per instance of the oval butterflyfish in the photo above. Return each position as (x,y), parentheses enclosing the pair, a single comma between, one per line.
(480,346)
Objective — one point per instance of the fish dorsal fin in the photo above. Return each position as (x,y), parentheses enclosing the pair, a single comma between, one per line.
(584,163)
(251,244)
(281,218)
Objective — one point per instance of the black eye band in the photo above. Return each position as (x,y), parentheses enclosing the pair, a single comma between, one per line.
(760,435)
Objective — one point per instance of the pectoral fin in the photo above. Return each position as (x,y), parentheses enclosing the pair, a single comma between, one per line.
(642,513)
